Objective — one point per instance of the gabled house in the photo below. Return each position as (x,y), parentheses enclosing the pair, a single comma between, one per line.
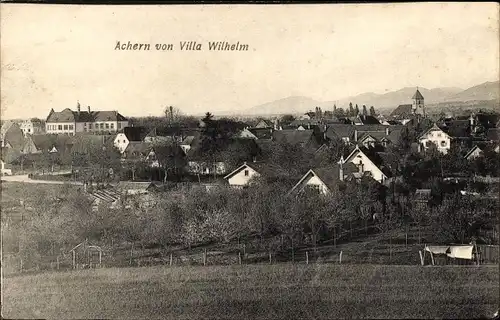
(248,171)
(362,119)
(264,123)
(129,134)
(246,134)
(136,150)
(31,127)
(473,153)
(381,166)
(435,135)
(324,180)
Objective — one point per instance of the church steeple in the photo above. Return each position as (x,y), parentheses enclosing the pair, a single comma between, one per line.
(418,105)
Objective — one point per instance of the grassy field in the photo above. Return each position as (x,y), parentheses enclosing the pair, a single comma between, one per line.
(315,291)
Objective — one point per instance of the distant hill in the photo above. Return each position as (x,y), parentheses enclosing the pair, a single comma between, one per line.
(385,102)
(483,92)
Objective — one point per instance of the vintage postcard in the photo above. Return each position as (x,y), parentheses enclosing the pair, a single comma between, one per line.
(250,161)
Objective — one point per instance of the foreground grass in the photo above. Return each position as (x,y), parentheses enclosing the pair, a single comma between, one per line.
(319,291)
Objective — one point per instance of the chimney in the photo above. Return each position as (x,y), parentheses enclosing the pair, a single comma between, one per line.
(78,106)
(356,135)
(386,131)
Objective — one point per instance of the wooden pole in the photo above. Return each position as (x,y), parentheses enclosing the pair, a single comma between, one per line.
(171,259)
(100,258)
(57,262)
(239,257)
(21,265)
(270,258)
(432,258)
(340,257)
(131,249)
(74,259)
(307,257)
(421,257)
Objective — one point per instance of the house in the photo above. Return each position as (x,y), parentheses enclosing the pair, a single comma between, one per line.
(307,139)
(381,166)
(246,134)
(370,139)
(263,123)
(31,127)
(435,135)
(473,153)
(325,180)
(11,135)
(249,171)
(129,134)
(70,122)
(51,143)
(136,150)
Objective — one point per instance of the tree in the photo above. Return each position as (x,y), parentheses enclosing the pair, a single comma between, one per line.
(340,113)
(173,115)
(372,111)
(365,111)
(356,110)
(351,112)
(287,118)
(170,157)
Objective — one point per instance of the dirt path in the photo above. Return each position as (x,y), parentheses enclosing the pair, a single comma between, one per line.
(24,178)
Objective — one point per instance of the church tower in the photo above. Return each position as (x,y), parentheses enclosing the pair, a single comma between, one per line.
(418,106)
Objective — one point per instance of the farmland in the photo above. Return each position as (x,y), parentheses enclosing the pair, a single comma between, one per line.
(256,292)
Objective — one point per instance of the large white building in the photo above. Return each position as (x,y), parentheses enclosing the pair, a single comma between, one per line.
(435,136)
(70,122)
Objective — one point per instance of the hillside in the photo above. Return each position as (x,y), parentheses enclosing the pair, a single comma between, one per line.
(484,91)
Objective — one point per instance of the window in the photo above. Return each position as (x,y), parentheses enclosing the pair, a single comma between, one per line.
(443,143)
(119,125)
(107,126)
(90,126)
(85,124)
(102,125)
(439,134)
(70,127)
(29,130)
(112,126)
(65,127)
(246,173)
(59,127)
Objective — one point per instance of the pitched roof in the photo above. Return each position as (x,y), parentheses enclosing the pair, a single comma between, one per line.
(137,147)
(45,142)
(108,195)
(302,137)
(264,123)
(402,111)
(432,128)
(367,119)
(266,170)
(340,131)
(135,133)
(418,95)
(68,115)
(384,161)
(473,149)
(262,133)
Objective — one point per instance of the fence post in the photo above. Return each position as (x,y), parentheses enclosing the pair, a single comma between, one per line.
(307,257)
(340,257)
(270,258)
(21,265)
(239,257)
(421,257)
(57,262)
(170,258)
(131,249)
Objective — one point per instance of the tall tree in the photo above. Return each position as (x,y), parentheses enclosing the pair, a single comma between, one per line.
(351,110)
(372,111)
(365,111)
(356,110)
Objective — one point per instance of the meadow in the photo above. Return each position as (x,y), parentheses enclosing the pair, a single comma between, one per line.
(281,291)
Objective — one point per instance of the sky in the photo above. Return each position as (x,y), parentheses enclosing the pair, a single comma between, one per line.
(55,55)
